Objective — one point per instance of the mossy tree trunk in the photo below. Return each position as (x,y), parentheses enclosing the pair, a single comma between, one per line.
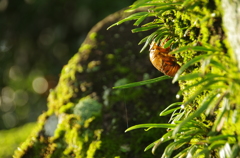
(86,117)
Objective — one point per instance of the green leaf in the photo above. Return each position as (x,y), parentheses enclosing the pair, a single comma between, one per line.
(219,137)
(129,18)
(143,40)
(136,5)
(217,124)
(186,3)
(204,87)
(185,66)
(175,145)
(182,153)
(192,150)
(200,110)
(141,19)
(155,21)
(161,35)
(152,144)
(190,76)
(167,111)
(225,151)
(161,10)
(158,142)
(191,131)
(206,79)
(193,48)
(149,39)
(165,4)
(203,49)
(168,43)
(217,144)
(235,115)
(177,117)
(202,152)
(196,124)
(150,4)
(156,36)
(145,28)
(235,151)
(151,126)
(216,103)
(168,150)
(135,84)
(218,65)
(166,137)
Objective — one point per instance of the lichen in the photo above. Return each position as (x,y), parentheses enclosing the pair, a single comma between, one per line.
(86,108)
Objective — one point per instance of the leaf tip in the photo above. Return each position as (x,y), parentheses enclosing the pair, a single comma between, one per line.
(112,26)
(175,78)
(109,27)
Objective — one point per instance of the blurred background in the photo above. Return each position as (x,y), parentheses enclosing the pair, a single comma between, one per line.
(37,38)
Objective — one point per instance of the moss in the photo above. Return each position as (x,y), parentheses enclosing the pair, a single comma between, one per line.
(90,115)
(11,139)
(86,108)
(199,23)
(208,24)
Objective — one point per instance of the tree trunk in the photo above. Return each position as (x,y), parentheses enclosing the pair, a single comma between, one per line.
(231,20)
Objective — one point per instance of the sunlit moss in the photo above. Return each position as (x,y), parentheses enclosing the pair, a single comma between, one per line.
(11,139)
(85,48)
(93,36)
(92,148)
(93,66)
(67,107)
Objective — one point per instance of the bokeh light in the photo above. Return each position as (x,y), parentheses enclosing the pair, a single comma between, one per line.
(21,98)
(37,40)
(9,119)
(40,85)
(3,5)
(7,97)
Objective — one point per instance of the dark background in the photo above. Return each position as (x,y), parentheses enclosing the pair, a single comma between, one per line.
(37,38)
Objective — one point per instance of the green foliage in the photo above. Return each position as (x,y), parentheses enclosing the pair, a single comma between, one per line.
(11,139)
(140,83)
(206,123)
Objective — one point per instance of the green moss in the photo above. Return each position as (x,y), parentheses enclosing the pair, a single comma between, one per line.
(67,108)
(93,36)
(95,145)
(85,48)
(11,139)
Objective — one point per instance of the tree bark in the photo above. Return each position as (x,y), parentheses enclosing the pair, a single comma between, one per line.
(231,22)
